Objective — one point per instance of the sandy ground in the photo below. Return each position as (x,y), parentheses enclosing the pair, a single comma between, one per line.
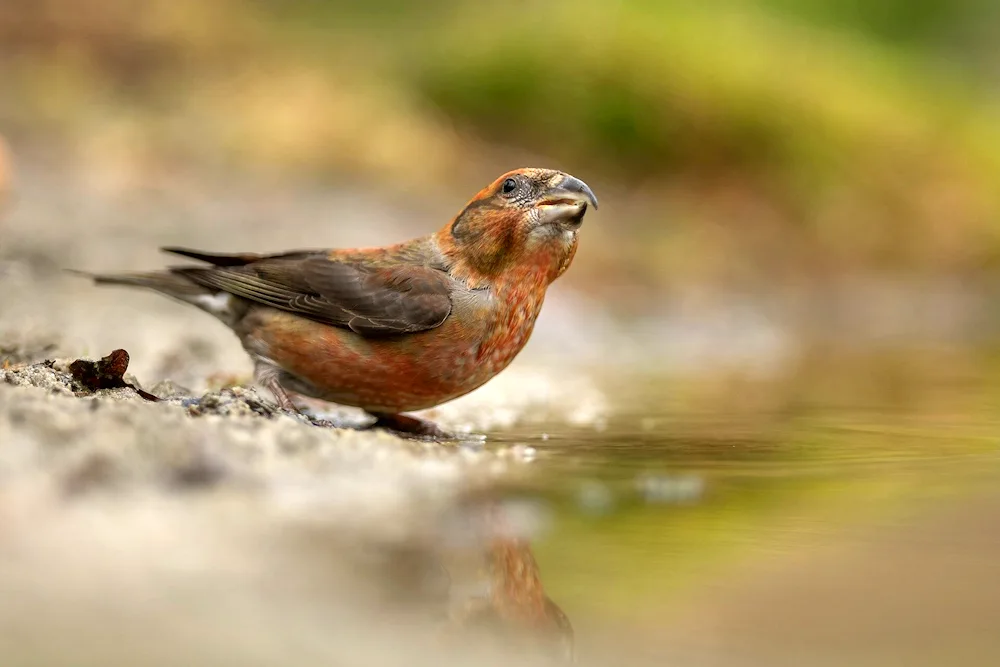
(216,531)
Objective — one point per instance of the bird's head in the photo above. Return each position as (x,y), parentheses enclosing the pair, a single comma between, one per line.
(527,218)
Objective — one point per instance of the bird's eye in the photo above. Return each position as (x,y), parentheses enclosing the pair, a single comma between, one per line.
(508,186)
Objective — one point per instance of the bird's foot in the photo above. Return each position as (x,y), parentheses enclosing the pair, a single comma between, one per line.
(404,426)
(411,427)
(285,401)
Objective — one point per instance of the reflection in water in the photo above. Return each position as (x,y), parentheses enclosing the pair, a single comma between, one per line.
(507,603)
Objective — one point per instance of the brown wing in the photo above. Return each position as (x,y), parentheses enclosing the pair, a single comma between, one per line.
(365,297)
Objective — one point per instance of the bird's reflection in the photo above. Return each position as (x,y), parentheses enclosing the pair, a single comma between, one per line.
(483,584)
(512,604)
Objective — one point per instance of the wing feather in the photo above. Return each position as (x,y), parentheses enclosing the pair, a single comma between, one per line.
(371,299)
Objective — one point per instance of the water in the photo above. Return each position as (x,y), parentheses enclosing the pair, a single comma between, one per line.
(845,513)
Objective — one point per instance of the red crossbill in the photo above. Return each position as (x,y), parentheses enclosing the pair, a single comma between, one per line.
(400,328)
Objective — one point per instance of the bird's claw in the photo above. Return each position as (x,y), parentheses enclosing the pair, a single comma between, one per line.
(413,428)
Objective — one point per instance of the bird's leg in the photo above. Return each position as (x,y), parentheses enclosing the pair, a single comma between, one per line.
(267,375)
(281,396)
(410,427)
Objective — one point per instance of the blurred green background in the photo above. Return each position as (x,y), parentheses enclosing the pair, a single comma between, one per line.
(737,143)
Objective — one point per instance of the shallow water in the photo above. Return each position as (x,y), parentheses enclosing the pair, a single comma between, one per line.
(846,513)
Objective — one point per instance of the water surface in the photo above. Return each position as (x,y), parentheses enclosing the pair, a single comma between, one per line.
(847,511)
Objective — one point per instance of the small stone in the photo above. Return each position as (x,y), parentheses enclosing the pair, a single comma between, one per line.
(169,389)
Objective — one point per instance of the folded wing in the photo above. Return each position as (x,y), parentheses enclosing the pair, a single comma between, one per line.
(367,297)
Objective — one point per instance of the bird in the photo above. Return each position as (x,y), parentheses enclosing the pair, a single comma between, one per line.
(395,329)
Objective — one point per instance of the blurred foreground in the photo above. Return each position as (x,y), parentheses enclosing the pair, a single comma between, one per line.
(837,516)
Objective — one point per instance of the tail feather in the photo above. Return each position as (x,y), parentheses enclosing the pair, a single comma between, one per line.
(166,282)
(222,305)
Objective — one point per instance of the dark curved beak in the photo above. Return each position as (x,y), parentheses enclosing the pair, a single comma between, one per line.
(571,189)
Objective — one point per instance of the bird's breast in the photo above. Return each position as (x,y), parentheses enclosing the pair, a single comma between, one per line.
(513,321)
